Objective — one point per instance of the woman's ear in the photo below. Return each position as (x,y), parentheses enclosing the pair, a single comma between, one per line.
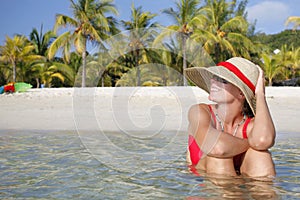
(241,95)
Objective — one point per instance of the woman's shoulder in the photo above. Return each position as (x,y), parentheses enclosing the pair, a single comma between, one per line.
(199,110)
(199,107)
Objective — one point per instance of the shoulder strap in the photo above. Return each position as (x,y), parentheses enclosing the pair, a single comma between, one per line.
(212,114)
(245,128)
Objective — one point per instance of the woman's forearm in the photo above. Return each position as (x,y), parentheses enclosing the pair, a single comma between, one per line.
(263,133)
(226,145)
(262,136)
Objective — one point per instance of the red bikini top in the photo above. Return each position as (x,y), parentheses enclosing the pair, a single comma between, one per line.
(194,149)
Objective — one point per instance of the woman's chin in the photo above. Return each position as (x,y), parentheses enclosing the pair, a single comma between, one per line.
(210,98)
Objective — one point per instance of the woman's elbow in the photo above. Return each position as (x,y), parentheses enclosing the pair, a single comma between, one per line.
(263,143)
(263,139)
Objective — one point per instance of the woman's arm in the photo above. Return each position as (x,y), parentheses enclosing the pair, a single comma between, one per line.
(211,141)
(262,135)
(227,146)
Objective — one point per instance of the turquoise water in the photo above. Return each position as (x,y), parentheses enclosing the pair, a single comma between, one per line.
(58,165)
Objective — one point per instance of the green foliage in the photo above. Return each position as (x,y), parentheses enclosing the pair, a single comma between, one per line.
(276,41)
(17,52)
(224,30)
(88,23)
(203,32)
(139,37)
(151,75)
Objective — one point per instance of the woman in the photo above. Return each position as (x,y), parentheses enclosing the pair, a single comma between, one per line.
(234,134)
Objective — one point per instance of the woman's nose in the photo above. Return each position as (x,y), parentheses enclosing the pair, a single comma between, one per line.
(213,81)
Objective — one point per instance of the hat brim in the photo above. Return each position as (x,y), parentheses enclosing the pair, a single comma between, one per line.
(201,76)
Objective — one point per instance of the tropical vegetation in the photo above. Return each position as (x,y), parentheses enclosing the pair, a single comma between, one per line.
(93,48)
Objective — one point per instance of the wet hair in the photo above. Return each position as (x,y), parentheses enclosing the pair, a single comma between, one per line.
(247,110)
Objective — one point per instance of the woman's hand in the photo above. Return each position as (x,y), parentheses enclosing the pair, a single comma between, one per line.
(260,85)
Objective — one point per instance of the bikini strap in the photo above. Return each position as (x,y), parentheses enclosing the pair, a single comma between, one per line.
(245,128)
(212,114)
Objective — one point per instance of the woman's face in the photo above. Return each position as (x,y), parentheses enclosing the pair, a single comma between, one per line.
(221,91)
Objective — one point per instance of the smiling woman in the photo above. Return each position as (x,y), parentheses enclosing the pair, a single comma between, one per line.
(224,138)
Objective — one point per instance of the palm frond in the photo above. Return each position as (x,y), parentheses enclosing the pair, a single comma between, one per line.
(64,21)
(293,20)
(236,23)
(62,41)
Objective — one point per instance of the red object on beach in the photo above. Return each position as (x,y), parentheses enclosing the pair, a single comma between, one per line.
(9,87)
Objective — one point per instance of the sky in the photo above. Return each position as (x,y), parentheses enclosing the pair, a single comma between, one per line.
(21,16)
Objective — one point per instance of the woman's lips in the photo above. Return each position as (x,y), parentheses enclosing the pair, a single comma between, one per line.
(214,89)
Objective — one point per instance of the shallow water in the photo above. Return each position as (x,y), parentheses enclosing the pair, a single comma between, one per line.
(62,165)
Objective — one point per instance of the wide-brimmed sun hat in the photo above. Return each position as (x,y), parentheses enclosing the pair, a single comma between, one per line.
(238,71)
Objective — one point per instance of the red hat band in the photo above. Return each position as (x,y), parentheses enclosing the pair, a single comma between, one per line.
(238,73)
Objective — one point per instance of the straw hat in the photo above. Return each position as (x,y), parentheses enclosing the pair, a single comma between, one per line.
(239,71)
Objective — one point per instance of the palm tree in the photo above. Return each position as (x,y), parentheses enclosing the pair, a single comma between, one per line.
(295,61)
(171,57)
(115,69)
(41,41)
(47,71)
(16,50)
(183,16)
(140,36)
(75,63)
(271,67)
(223,30)
(90,24)
(289,60)
(151,76)
(295,20)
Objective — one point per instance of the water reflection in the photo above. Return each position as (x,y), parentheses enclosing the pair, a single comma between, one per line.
(225,187)
(47,165)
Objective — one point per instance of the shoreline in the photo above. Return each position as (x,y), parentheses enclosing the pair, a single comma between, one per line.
(127,109)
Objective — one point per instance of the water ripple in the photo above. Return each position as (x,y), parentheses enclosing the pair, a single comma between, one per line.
(47,165)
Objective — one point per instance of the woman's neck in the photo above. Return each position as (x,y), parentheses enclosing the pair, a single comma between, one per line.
(230,114)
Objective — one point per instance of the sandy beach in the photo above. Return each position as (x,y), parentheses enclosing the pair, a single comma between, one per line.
(135,109)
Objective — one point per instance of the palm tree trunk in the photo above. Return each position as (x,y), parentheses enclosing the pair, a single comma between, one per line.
(165,81)
(217,52)
(270,82)
(14,71)
(138,74)
(138,71)
(294,71)
(37,82)
(184,58)
(101,75)
(83,83)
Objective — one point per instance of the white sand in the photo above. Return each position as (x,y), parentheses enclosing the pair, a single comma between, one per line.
(137,109)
